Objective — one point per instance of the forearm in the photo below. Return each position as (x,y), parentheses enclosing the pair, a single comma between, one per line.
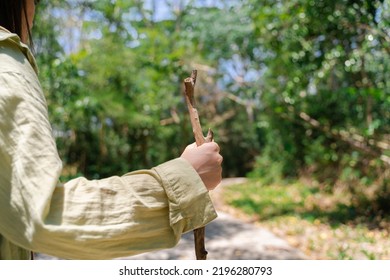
(120,216)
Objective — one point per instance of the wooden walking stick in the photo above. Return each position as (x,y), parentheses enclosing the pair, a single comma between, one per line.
(189,83)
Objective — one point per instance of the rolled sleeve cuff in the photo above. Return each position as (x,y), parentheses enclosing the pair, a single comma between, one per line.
(190,205)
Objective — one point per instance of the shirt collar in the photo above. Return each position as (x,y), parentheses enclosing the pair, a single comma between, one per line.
(6,35)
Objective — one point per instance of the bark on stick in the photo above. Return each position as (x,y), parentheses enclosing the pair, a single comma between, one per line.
(189,83)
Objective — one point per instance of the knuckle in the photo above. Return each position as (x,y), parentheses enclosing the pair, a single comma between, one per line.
(215,146)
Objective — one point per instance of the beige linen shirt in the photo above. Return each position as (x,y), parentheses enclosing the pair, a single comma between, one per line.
(81,219)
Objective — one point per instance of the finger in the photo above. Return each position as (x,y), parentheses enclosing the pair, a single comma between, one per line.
(214,146)
(220,160)
(191,146)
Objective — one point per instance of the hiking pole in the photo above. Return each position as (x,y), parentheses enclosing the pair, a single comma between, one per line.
(189,83)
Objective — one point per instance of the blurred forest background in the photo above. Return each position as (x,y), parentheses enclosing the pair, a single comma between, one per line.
(293,90)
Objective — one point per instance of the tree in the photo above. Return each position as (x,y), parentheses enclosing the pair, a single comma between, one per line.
(327,89)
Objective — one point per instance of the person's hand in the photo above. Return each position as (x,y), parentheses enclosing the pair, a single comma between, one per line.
(207,161)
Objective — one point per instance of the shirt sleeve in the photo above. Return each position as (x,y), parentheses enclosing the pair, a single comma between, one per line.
(85,219)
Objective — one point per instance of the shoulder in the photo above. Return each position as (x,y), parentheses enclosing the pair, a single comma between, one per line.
(20,85)
(18,77)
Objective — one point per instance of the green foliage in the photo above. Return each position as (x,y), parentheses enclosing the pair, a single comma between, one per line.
(327,76)
(287,86)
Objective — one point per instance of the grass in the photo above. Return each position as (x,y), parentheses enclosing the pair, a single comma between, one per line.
(323,225)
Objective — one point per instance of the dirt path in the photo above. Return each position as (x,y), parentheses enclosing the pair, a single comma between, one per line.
(229,237)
